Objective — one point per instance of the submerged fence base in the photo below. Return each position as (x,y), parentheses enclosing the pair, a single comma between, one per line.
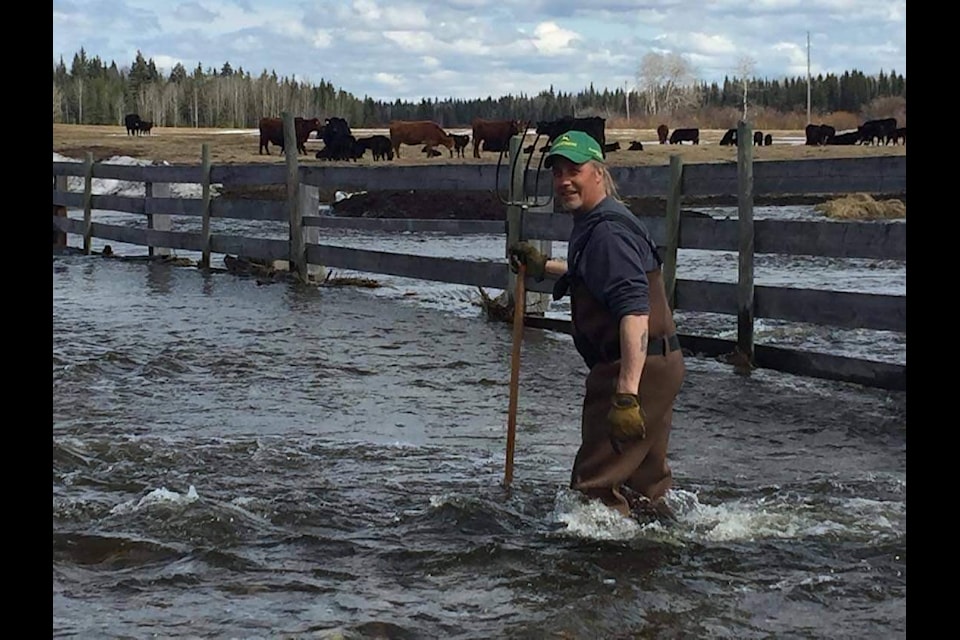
(870,373)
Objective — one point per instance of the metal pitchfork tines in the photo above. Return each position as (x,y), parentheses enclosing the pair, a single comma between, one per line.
(523,202)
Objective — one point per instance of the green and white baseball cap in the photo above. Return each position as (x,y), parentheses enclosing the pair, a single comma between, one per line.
(575,146)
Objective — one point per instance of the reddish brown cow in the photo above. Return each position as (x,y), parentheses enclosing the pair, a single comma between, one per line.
(497,134)
(271,130)
(425,132)
(662,132)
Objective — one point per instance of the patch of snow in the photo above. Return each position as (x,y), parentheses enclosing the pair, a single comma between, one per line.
(104,186)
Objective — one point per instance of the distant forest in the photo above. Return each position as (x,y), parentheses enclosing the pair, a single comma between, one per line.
(91,91)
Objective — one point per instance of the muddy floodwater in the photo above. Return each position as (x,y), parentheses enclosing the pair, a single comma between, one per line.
(240,459)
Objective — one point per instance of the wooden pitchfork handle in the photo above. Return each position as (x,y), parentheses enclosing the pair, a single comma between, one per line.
(519,304)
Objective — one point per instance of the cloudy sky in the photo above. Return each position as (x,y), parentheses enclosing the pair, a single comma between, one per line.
(409,49)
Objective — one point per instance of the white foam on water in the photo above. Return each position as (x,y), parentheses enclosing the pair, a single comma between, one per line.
(729,521)
(741,521)
(157,496)
(592,520)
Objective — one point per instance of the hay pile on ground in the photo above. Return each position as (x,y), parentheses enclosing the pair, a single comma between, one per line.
(862,206)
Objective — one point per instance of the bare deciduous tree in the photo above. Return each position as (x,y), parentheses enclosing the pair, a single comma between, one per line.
(57,103)
(745,67)
(79,88)
(666,83)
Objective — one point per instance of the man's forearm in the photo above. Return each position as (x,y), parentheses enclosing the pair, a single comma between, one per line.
(634,336)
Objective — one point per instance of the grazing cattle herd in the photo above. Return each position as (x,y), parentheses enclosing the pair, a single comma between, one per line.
(494,136)
(880,131)
(759,140)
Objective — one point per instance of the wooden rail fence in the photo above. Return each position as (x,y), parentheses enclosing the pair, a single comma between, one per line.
(529,215)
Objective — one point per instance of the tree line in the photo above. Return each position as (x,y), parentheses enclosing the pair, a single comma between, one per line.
(94,92)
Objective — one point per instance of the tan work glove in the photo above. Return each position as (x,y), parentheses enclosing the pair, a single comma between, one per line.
(529,255)
(626,418)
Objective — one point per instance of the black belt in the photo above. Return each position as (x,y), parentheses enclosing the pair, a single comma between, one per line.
(661,346)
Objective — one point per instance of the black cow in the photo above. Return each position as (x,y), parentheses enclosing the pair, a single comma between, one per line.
(729,138)
(767,140)
(460,143)
(679,136)
(593,126)
(132,122)
(144,127)
(345,148)
(357,149)
(379,146)
(496,145)
(338,142)
(877,131)
(758,138)
(818,134)
(611,146)
(900,135)
(431,152)
(636,145)
(847,137)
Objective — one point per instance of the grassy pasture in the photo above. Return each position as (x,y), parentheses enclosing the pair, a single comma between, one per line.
(182,145)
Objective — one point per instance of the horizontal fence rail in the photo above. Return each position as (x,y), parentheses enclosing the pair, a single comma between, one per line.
(882,241)
(826,176)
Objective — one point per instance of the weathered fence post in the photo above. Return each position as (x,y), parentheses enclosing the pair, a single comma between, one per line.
(160,222)
(672,220)
(59,237)
(538,303)
(310,203)
(296,252)
(87,202)
(205,204)
(743,362)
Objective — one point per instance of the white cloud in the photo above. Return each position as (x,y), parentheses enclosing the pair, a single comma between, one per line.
(388,79)
(412,41)
(321,39)
(551,39)
(193,12)
(707,44)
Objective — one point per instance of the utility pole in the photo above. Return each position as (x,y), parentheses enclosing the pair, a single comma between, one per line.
(808,77)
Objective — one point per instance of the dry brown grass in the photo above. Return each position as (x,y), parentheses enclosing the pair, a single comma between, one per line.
(862,206)
(230,146)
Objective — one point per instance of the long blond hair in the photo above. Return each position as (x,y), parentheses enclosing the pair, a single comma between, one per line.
(609,186)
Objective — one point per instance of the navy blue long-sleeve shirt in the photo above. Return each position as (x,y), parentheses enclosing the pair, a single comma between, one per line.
(613,259)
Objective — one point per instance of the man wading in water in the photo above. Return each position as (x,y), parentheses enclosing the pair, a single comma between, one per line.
(622,327)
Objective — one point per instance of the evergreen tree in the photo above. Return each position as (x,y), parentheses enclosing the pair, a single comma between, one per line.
(178,74)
